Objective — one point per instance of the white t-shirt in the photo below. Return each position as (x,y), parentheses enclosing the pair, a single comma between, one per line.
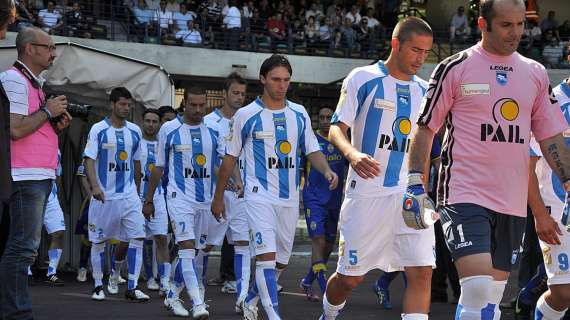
(233,18)
(188,36)
(49,18)
(164,18)
(181,20)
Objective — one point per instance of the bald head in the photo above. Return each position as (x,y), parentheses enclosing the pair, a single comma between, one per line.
(488,8)
(27,36)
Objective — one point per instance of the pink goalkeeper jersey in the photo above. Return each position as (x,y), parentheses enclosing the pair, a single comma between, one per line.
(489,105)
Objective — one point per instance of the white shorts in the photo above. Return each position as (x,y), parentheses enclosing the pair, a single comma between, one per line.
(119,219)
(53,217)
(272,228)
(557,257)
(235,226)
(158,225)
(373,235)
(188,221)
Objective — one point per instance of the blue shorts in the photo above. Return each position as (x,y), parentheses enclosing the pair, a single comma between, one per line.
(322,221)
(472,229)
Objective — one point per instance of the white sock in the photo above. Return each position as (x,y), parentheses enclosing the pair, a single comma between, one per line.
(98,262)
(278,272)
(545,312)
(496,296)
(414,316)
(154,263)
(116,272)
(134,257)
(266,280)
(201,265)
(242,269)
(475,295)
(190,280)
(164,273)
(330,312)
(54,256)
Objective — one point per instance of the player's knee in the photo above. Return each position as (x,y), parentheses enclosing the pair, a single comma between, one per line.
(562,293)
(419,276)
(208,248)
(350,282)
(57,236)
(241,243)
(187,244)
(475,291)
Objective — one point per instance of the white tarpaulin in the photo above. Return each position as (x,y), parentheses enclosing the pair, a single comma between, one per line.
(87,75)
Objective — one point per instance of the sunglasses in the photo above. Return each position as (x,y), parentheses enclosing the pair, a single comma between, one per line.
(50,47)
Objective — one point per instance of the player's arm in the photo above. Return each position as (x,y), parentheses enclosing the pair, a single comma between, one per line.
(224,173)
(363,164)
(557,154)
(85,186)
(138,175)
(546,227)
(320,163)
(96,191)
(153,183)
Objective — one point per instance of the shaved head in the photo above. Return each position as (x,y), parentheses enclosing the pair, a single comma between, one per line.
(487,9)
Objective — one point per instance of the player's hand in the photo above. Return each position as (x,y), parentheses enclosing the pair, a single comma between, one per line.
(418,209)
(98,194)
(332,178)
(148,210)
(364,165)
(217,208)
(238,185)
(57,106)
(547,229)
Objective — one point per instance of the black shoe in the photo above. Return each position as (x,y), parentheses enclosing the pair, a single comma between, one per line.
(31,281)
(136,295)
(54,281)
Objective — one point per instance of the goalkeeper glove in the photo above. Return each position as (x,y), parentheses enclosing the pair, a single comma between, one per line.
(418,209)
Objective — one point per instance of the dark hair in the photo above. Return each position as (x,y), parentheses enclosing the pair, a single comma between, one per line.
(153,111)
(273,62)
(7,11)
(486,11)
(197,91)
(409,26)
(118,93)
(164,110)
(232,78)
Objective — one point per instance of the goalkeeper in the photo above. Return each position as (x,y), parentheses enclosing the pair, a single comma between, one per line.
(490,99)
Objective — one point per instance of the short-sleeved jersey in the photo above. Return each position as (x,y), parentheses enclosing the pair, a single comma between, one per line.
(316,190)
(114,150)
(551,189)
(489,105)
(149,154)
(216,118)
(191,154)
(272,142)
(58,172)
(381,112)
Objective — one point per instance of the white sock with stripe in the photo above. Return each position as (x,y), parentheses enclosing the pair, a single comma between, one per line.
(98,262)
(266,280)
(188,272)
(134,257)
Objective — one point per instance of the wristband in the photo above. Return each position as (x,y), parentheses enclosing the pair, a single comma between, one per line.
(44,109)
(148,202)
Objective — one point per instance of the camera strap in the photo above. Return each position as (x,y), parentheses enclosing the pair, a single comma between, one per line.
(24,70)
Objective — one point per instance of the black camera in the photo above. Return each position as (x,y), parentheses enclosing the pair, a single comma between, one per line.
(77,110)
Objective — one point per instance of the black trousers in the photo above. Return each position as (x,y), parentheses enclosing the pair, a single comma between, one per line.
(531,255)
(227,262)
(445,268)
(4,225)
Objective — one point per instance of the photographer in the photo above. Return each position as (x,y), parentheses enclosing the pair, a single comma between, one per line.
(34,123)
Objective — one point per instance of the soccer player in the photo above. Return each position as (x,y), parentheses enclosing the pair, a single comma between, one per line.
(157,226)
(112,160)
(379,104)
(55,227)
(322,207)
(490,99)
(271,132)
(191,150)
(236,217)
(547,198)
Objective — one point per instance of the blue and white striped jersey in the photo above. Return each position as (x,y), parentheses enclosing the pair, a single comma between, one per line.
(272,142)
(53,193)
(114,150)
(551,189)
(191,154)
(149,154)
(381,112)
(217,119)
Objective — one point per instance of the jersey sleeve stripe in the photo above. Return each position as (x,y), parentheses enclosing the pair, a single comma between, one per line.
(436,84)
(446,162)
